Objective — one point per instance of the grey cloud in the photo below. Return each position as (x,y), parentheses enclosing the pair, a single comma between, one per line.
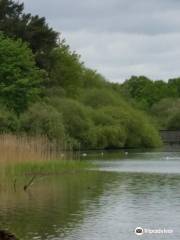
(118,56)
(119,38)
(133,16)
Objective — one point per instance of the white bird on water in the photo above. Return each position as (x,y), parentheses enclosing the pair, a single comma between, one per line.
(84,154)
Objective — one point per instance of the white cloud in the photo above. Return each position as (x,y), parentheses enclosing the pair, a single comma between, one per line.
(118,56)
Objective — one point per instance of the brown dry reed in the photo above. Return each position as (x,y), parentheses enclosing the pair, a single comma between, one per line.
(17,149)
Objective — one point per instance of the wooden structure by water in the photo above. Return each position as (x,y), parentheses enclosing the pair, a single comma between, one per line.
(170,136)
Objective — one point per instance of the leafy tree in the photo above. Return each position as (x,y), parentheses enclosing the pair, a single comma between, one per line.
(110,137)
(32,29)
(66,70)
(92,79)
(164,110)
(101,118)
(147,92)
(19,78)
(8,121)
(42,119)
(98,98)
(140,132)
(174,85)
(138,88)
(76,120)
(174,122)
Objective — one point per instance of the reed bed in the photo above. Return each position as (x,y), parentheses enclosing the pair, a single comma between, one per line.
(27,156)
(17,149)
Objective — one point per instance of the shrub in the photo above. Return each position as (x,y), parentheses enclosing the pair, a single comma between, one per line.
(8,121)
(139,131)
(97,98)
(76,120)
(110,137)
(42,119)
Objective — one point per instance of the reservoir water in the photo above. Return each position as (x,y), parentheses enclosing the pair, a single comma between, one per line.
(105,203)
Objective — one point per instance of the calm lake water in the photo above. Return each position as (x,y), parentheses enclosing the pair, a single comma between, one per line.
(107,203)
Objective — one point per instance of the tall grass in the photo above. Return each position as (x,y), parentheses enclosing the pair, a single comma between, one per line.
(25,156)
(17,149)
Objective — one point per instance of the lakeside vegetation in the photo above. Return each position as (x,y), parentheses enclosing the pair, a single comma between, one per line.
(53,112)
(24,159)
(159,99)
(46,90)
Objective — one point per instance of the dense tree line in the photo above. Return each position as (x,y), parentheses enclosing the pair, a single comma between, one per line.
(159,99)
(45,89)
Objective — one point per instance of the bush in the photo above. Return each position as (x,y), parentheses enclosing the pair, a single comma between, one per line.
(92,79)
(8,121)
(66,70)
(138,130)
(141,133)
(97,98)
(110,137)
(100,117)
(42,119)
(76,120)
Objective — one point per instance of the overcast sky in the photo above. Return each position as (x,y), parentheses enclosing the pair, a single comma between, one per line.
(119,38)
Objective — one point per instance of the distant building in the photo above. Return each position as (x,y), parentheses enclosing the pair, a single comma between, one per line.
(170,136)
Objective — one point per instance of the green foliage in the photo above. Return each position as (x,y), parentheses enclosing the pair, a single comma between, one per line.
(42,119)
(97,98)
(16,24)
(174,122)
(110,137)
(100,117)
(92,79)
(107,126)
(158,98)
(174,85)
(76,120)
(147,92)
(138,88)
(66,70)
(140,132)
(19,77)
(164,110)
(68,101)
(8,121)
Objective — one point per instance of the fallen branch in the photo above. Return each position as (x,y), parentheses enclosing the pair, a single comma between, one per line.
(29,183)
